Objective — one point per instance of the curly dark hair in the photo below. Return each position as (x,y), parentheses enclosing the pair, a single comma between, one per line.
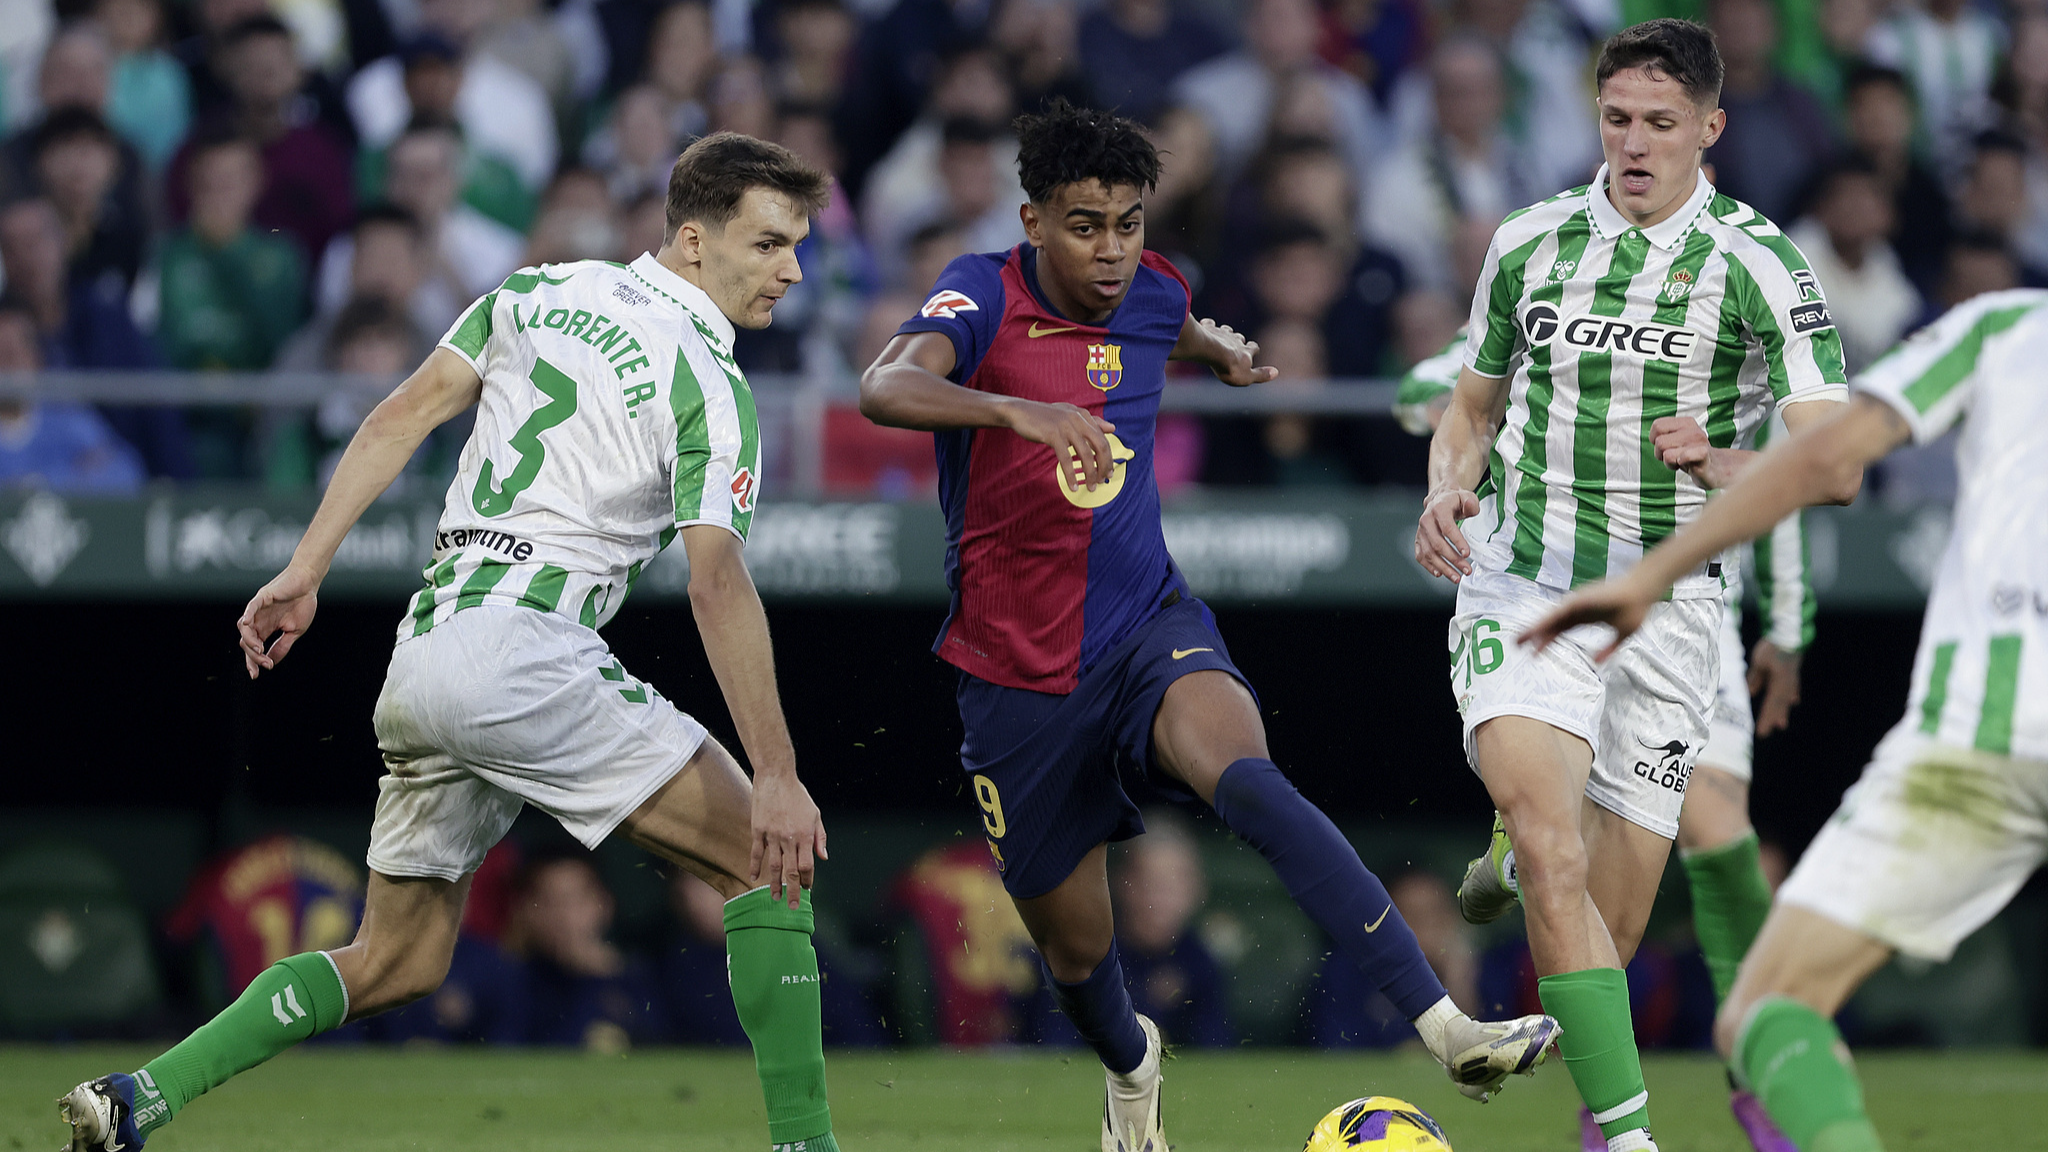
(1069,145)
(1680,49)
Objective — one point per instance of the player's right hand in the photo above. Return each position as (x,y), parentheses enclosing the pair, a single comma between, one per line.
(283,608)
(1618,603)
(788,836)
(1072,434)
(1439,543)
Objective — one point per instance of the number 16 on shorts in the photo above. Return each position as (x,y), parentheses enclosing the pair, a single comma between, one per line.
(1477,652)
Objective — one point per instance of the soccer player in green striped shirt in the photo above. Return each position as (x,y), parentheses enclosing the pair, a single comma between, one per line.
(1716,843)
(610,420)
(1624,338)
(1951,815)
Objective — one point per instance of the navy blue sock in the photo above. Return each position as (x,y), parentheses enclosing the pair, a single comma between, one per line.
(1324,874)
(1100,1008)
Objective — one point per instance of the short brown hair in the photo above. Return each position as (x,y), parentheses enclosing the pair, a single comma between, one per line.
(1680,49)
(713,174)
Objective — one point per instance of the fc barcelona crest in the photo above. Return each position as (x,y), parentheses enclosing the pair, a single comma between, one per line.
(1105,365)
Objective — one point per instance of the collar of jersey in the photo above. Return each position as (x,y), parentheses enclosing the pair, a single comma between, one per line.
(1667,233)
(657,276)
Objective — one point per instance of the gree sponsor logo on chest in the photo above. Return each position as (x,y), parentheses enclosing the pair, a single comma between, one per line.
(1543,324)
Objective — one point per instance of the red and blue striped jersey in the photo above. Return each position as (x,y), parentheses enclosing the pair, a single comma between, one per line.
(1046,579)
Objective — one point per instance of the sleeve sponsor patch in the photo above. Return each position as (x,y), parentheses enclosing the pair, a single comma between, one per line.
(946,304)
(1812,317)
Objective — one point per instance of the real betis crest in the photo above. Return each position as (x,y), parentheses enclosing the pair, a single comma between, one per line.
(1675,289)
(1105,365)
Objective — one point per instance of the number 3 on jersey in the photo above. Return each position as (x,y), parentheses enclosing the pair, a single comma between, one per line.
(561,393)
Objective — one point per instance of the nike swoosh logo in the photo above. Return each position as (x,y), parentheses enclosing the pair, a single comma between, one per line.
(1375,925)
(1036,331)
(1181,653)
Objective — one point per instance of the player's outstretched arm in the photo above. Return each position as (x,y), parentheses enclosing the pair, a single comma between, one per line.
(442,387)
(1820,460)
(1682,445)
(906,387)
(1457,458)
(788,831)
(1233,358)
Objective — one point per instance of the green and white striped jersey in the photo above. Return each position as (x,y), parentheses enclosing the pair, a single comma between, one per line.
(1605,328)
(1782,562)
(612,414)
(1981,677)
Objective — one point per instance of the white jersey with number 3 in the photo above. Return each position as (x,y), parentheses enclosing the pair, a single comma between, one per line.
(1981,677)
(612,414)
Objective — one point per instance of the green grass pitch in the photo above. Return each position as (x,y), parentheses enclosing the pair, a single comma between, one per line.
(681,1100)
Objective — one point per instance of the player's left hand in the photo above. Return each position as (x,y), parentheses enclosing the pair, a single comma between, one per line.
(788,834)
(1774,675)
(1234,357)
(1614,602)
(283,608)
(1683,447)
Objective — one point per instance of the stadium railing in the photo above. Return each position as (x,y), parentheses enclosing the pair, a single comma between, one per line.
(795,410)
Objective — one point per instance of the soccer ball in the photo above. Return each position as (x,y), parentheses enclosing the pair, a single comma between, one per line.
(1378,1123)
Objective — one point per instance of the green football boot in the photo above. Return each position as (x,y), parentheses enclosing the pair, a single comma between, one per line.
(1489,889)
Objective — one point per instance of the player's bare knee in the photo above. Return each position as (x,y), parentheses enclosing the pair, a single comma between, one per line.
(1550,865)
(1072,961)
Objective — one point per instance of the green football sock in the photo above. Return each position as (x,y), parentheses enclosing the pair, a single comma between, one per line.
(292,1000)
(774,975)
(1794,1060)
(1599,1045)
(1730,899)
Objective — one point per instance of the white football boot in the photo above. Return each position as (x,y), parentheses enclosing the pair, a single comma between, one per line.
(1481,1054)
(1130,1115)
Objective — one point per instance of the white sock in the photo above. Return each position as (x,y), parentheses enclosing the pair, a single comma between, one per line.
(1633,1140)
(1431,1024)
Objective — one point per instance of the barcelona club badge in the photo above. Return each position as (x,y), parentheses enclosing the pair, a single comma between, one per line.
(1105,365)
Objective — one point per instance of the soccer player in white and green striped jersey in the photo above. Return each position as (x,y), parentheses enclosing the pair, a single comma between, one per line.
(610,419)
(1951,815)
(1716,843)
(1624,339)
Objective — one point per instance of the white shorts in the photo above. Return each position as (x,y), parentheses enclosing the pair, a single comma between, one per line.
(1731,729)
(1644,712)
(500,706)
(1927,846)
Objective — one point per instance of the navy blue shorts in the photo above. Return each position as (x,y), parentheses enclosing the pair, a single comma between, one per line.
(1048,771)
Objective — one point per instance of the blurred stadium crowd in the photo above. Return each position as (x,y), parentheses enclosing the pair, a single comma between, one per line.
(561,946)
(323,184)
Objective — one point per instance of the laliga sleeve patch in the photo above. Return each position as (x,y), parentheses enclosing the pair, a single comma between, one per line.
(1810,317)
(946,304)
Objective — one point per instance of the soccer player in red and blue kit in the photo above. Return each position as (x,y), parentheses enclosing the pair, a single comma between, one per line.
(1082,655)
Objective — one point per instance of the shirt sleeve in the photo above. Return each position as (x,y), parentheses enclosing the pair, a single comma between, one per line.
(1787,314)
(471,332)
(966,306)
(1931,377)
(1784,570)
(1430,380)
(716,469)
(1491,334)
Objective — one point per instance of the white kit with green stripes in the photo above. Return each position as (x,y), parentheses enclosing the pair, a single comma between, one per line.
(1604,328)
(1784,585)
(1981,678)
(612,414)
(1950,817)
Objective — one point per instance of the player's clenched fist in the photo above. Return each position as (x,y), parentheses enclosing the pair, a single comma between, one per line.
(283,608)
(1072,434)
(1439,543)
